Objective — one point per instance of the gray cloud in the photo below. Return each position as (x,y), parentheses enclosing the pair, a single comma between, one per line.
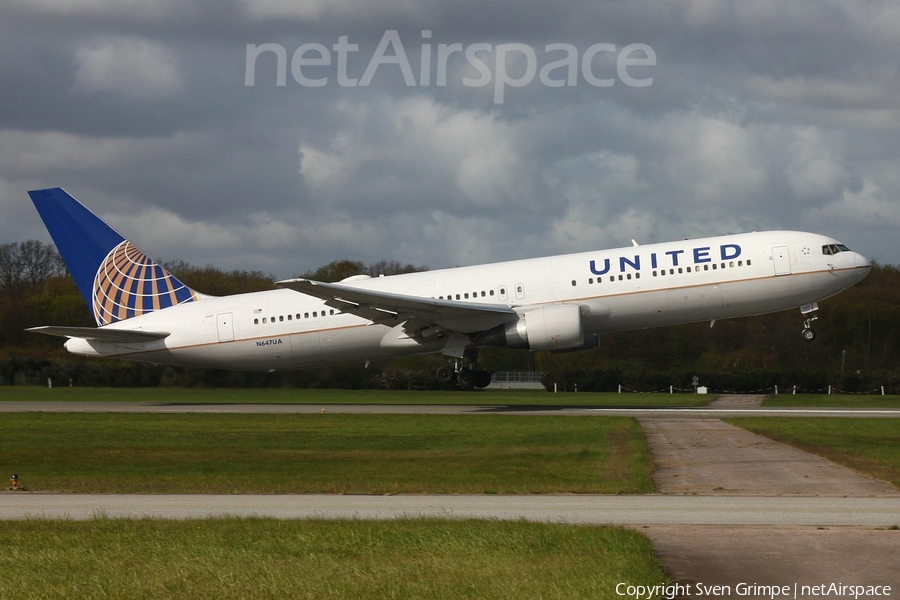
(761,114)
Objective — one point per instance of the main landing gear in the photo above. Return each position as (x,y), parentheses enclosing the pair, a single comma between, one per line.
(809,334)
(466,377)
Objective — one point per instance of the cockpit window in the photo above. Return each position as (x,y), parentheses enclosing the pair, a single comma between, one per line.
(829,249)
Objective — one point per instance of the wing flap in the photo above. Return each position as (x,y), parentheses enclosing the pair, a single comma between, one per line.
(385,307)
(103,334)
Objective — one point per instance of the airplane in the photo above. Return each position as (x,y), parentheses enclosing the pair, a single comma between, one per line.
(555,303)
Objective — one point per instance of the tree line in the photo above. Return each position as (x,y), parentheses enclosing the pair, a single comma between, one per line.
(857,349)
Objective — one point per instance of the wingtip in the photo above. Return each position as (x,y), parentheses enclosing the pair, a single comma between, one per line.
(292,282)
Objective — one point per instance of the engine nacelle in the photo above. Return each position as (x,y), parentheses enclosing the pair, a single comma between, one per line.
(556,327)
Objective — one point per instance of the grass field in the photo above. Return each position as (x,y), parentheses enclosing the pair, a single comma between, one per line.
(870,446)
(308,396)
(262,558)
(832,400)
(222,453)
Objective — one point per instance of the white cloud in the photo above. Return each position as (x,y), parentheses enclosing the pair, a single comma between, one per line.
(709,165)
(311,10)
(815,167)
(466,151)
(157,231)
(135,68)
(873,206)
(600,188)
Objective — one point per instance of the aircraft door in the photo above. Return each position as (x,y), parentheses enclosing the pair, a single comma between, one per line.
(225,327)
(781,258)
(306,348)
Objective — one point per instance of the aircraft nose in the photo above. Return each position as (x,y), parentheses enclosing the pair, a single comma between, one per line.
(863,264)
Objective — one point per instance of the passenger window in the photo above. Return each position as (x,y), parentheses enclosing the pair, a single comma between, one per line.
(256,321)
(265,320)
(289,317)
(491,292)
(629,276)
(637,275)
(305,315)
(688,269)
(748,262)
(298,316)
(573,283)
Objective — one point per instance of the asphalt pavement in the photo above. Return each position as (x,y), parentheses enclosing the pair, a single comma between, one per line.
(708,412)
(650,509)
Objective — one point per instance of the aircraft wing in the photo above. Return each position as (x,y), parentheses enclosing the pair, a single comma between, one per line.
(102,334)
(417,312)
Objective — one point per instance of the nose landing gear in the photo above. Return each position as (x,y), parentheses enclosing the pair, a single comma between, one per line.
(809,334)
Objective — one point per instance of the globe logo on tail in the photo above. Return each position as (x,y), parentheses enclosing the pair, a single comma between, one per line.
(128,283)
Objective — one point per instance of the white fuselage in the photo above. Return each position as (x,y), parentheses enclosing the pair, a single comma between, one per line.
(619,289)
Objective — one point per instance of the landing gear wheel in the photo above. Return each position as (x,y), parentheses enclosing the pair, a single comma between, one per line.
(808,332)
(444,375)
(465,378)
(482,379)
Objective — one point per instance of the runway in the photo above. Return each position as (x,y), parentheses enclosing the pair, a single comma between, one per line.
(708,412)
(568,508)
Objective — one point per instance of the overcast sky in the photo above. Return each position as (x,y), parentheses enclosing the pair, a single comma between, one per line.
(555,127)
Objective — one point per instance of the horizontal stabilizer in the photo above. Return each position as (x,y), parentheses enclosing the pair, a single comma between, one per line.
(104,334)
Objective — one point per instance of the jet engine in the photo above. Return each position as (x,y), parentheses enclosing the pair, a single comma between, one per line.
(556,327)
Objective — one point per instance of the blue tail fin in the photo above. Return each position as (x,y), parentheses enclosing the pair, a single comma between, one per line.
(117,280)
